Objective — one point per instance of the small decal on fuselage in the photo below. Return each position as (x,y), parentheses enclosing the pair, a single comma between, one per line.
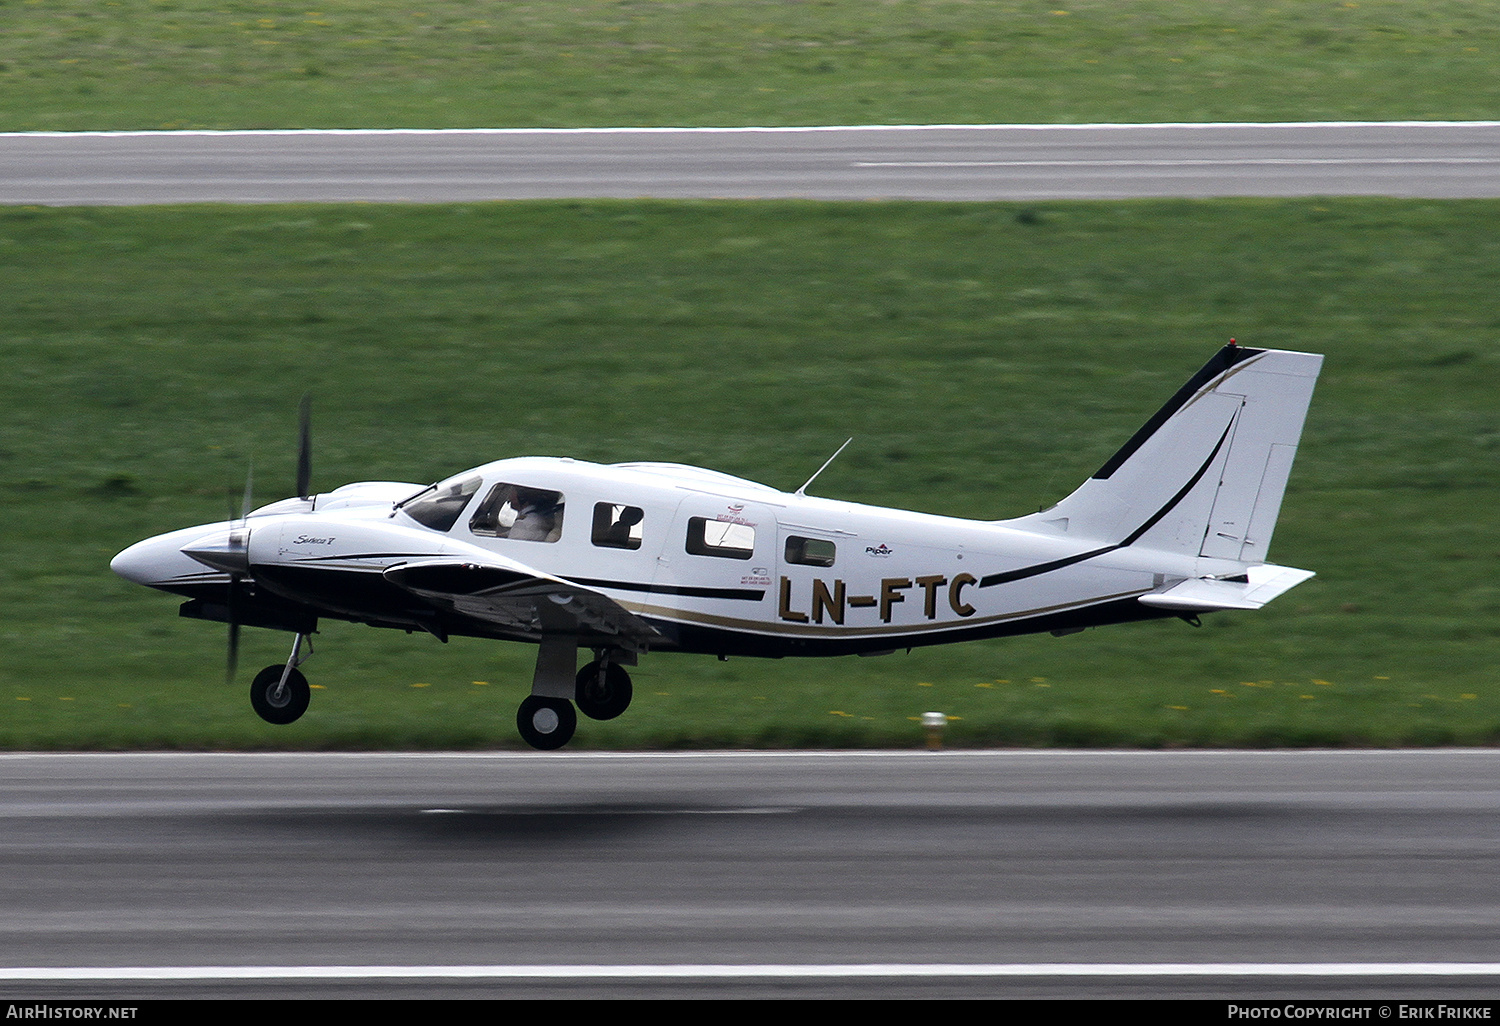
(303,539)
(734,514)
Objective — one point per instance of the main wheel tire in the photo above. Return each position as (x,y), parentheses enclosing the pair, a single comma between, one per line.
(606,698)
(289,705)
(546,723)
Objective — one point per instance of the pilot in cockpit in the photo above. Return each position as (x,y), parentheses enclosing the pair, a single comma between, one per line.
(538,516)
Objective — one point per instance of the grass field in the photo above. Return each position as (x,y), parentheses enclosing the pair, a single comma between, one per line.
(147,64)
(986,357)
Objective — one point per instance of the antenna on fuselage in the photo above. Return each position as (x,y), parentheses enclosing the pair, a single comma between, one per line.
(824,467)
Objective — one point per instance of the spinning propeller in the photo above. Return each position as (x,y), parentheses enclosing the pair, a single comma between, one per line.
(237,555)
(304,448)
(230,552)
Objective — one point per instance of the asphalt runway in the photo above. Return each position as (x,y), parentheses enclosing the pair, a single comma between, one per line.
(1421,159)
(1272,874)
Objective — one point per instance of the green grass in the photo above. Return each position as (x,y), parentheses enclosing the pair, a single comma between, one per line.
(986,357)
(145,64)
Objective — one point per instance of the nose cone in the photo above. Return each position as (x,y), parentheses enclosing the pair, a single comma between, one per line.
(142,563)
(159,562)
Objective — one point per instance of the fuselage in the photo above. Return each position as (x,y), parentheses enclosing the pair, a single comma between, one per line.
(713,563)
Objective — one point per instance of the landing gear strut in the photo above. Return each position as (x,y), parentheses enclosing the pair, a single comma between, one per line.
(546,718)
(602,690)
(279,694)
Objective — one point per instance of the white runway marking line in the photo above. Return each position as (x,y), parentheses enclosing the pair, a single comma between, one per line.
(824,971)
(664,811)
(1187,162)
(709,130)
(946,755)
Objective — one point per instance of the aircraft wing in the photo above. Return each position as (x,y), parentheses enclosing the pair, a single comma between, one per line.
(519,598)
(1249,590)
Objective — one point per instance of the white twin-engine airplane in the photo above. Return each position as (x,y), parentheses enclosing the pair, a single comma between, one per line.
(633,557)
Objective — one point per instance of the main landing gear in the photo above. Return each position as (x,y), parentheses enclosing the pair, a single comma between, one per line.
(602,689)
(279,694)
(546,723)
(546,719)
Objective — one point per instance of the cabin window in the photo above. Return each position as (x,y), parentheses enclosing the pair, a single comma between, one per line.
(617,526)
(809,551)
(440,505)
(718,538)
(519,513)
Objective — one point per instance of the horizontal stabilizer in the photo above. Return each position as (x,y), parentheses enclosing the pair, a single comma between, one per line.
(1249,590)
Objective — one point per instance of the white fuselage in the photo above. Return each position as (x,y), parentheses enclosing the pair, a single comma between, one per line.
(777,573)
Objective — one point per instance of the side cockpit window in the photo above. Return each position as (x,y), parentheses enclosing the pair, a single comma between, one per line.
(519,513)
(439,506)
(810,551)
(617,526)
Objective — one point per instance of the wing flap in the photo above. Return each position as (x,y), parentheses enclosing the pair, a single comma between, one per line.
(519,598)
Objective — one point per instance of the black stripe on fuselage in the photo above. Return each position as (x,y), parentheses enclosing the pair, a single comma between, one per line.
(746,594)
(367,555)
(1007,576)
(688,637)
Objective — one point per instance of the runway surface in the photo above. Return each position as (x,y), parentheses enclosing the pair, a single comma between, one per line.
(988,873)
(1421,159)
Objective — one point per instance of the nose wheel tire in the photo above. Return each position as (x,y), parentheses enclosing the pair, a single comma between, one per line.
(546,723)
(276,703)
(603,691)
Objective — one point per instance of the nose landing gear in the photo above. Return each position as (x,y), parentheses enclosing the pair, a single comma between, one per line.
(277,701)
(280,693)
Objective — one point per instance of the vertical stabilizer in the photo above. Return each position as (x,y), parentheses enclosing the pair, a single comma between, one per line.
(1206,474)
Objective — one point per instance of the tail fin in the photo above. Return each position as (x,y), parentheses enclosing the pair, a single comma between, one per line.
(1206,474)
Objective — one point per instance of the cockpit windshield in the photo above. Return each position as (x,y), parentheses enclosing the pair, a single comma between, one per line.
(440,505)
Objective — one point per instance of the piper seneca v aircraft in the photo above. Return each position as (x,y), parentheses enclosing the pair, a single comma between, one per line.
(635,557)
